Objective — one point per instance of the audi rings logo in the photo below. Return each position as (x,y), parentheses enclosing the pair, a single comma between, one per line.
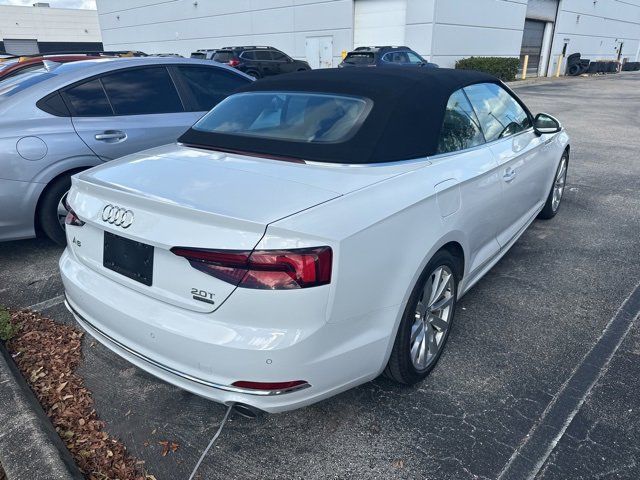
(118,216)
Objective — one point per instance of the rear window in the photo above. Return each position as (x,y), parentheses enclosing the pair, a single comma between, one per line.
(199,55)
(295,117)
(223,57)
(359,58)
(17,83)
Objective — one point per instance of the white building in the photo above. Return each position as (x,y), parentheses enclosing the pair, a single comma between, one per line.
(321,30)
(40,29)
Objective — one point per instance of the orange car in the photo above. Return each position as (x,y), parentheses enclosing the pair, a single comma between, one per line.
(14,65)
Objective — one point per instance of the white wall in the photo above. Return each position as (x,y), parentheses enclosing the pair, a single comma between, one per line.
(49,24)
(180,26)
(441,30)
(419,29)
(465,28)
(593,29)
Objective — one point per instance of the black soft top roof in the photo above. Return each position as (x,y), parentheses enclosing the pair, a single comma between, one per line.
(404,123)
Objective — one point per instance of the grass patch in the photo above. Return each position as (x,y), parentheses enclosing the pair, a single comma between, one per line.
(8,329)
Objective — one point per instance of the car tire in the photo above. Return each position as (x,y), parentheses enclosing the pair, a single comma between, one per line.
(424,330)
(554,199)
(254,74)
(49,215)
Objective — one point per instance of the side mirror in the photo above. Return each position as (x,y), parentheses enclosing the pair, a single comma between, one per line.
(544,123)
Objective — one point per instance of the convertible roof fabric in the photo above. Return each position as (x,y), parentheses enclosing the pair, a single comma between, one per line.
(404,123)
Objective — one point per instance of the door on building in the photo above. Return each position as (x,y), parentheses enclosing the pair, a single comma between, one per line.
(532,39)
(21,46)
(319,52)
(379,22)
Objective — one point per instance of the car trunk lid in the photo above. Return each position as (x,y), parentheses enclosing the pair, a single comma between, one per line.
(184,197)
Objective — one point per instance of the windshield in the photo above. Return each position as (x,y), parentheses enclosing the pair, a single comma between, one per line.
(297,117)
(199,55)
(359,58)
(12,85)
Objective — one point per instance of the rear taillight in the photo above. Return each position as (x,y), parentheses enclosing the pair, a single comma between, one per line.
(234,62)
(263,269)
(71,218)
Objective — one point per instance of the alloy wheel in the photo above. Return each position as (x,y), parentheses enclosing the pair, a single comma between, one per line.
(559,184)
(432,317)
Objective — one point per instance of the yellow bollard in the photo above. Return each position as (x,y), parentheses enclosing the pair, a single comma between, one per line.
(344,54)
(560,58)
(524,67)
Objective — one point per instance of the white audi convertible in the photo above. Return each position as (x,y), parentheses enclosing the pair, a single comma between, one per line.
(311,232)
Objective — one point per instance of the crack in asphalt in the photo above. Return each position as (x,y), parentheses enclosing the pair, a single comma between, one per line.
(531,455)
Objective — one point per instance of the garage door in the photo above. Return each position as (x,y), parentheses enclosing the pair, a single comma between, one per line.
(532,44)
(21,47)
(379,22)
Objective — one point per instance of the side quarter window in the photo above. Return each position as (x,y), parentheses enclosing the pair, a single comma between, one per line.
(499,113)
(88,100)
(460,128)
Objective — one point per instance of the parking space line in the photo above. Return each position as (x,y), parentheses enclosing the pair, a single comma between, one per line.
(52,302)
(529,458)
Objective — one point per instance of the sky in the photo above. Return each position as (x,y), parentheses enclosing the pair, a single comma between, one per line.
(88,4)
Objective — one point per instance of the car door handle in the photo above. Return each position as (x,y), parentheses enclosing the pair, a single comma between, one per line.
(509,175)
(110,135)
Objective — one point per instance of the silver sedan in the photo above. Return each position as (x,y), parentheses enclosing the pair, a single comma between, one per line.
(64,118)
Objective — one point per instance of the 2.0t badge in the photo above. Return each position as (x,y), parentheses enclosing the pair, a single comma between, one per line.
(118,216)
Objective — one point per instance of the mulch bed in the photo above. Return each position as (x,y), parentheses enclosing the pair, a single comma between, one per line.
(48,353)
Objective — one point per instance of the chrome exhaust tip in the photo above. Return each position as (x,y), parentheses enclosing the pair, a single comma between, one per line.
(246,411)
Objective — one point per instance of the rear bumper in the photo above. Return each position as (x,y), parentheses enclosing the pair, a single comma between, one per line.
(206,353)
(18,200)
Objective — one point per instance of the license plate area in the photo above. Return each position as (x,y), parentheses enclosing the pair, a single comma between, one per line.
(128,258)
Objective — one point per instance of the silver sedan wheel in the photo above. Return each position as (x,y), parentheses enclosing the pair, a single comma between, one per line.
(432,317)
(559,184)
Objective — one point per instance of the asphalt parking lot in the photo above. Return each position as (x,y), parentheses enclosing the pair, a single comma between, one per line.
(524,389)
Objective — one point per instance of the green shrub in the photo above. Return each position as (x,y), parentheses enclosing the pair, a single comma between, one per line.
(503,68)
(7,329)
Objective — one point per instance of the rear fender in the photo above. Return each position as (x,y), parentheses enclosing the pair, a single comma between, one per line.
(81,162)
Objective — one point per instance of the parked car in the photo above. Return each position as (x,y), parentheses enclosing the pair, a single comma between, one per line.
(387,56)
(257,62)
(19,65)
(310,232)
(58,120)
(204,54)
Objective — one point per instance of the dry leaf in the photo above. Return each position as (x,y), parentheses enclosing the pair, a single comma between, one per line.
(46,353)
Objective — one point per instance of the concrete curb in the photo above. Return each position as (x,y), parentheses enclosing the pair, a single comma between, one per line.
(563,78)
(30,448)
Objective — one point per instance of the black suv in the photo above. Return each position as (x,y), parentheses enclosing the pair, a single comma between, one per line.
(387,56)
(259,62)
